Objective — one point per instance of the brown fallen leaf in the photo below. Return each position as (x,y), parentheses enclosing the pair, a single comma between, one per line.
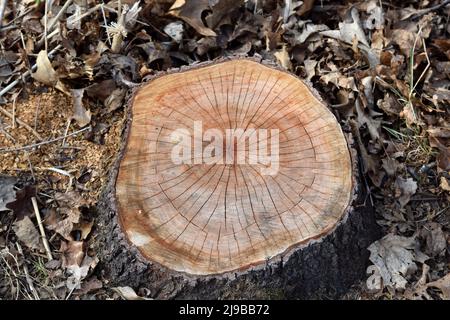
(306,7)
(7,193)
(421,292)
(72,253)
(435,240)
(101,90)
(391,166)
(45,72)
(80,114)
(175,30)
(390,105)
(84,227)
(444,184)
(67,216)
(191,12)
(90,285)
(80,272)
(404,189)
(27,233)
(127,293)
(22,206)
(115,99)
(373,125)
(353,34)
(443,157)
(394,256)
(283,58)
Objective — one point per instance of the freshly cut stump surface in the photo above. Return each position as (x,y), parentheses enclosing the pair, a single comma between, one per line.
(212,218)
(200,220)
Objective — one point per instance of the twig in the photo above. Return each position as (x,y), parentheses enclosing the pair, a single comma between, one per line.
(54,21)
(23,124)
(58,15)
(14,109)
(31,146)
(41,229)
(65,173)
(2,10)
(66,132)
(90,11)
(105,22)
(10,25)
(45,25)
(27,73)
(427,10)
(31,167)
(15,276)
(27,274)
(36,112)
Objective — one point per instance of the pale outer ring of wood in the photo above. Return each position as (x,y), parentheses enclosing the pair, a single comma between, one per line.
(299,204)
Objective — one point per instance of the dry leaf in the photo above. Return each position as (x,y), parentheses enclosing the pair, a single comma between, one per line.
(127,293)
(7,193)
(22,206)
(72,253)
(79,272)
(376,16)
(390,105)
(80,114)
(283,58)
(353,34)
(435,240)
(67,217)
(442,284)
(309,30)
(115,99)
(444,184)
(405,188)
(191,12)
(394,256)
(74,20)
(306,7)
(45,72)
(364,119)
(27,233)
(391,166)
(175,31)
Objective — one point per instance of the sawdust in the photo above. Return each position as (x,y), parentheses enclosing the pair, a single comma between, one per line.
(85,157)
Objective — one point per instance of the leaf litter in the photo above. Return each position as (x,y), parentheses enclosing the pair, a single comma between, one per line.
(383,68)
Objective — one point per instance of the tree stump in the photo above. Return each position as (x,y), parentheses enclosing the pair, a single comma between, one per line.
(216,224)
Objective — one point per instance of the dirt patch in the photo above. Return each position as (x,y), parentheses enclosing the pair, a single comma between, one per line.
(85,157)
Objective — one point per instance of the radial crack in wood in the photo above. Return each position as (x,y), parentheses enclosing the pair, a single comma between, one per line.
(209,218)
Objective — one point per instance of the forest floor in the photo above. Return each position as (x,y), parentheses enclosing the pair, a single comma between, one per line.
(383,67)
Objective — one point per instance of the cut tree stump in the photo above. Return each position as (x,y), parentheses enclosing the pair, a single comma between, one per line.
(200,229)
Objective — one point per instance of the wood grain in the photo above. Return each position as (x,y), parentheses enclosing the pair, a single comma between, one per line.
(209,219)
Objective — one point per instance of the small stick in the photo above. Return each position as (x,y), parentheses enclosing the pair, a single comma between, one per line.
(10,25)
(105,22)
(14,109)
(66,132)
(23,124)
(45,37)
(27,274)
(31,146)
(36,112)
(26,73)
(45,25)
(31,166)
(41,229)
(2,10)
(58,15)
